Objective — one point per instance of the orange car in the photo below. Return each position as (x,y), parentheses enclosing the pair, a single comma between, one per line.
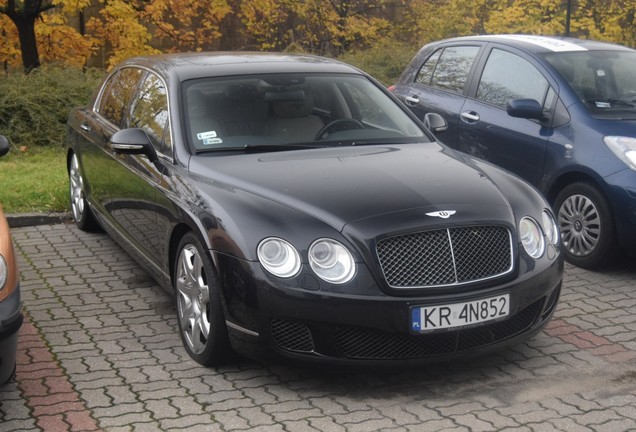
(10,315)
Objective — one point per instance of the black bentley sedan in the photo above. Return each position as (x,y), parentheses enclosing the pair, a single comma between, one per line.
(294,207)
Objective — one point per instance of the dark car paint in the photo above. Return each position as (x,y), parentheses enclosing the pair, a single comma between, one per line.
(540,150)
(232,201)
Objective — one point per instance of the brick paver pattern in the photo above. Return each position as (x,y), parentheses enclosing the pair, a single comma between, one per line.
(100,351)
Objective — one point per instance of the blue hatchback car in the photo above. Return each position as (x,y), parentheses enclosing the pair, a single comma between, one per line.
(559,112)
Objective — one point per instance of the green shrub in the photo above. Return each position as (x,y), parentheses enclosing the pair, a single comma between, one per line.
(385,61)
(34,107)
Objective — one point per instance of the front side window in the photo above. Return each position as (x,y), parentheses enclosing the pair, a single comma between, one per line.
(150,112)
(117,94)
(507,76)
(448,68)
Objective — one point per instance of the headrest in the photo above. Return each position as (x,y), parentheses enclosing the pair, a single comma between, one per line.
(197,103)
(241,92)
(293,108)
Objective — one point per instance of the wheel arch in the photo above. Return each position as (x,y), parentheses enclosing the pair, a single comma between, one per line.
(568,179)
(177,234)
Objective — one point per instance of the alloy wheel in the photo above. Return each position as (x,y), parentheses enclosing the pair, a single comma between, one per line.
(193,299)
(580,225)
(78,203)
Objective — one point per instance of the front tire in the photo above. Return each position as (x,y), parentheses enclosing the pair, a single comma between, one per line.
(82,214)
(198,303)
(587,232)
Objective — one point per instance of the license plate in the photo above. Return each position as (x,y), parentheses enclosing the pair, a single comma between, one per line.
(429,318)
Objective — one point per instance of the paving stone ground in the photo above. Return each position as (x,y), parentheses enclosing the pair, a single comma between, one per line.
(100,351)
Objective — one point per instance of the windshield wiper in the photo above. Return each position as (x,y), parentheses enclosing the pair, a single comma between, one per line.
(260,148)
(264,148)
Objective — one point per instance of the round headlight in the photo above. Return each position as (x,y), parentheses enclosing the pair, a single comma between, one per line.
(278,257)
(4,272)
(331,261)
(531,237)
(550,227)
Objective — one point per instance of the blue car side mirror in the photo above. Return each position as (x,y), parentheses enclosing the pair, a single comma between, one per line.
(525,108)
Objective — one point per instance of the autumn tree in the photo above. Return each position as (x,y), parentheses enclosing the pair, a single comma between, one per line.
(610,20)
(527,16)
(192,25)
(39,28)
(25,14)
(324,27)
(271,24)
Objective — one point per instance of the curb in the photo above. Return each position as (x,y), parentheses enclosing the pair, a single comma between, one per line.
(32,219)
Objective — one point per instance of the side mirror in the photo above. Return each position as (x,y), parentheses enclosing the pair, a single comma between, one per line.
(133,141)
(525,108)
(4,145)
(435,123)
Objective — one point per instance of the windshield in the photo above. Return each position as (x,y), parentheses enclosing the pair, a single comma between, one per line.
(605,81)
(292,111)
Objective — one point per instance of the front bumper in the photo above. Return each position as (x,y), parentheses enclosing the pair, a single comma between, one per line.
(621,193)
(268,319)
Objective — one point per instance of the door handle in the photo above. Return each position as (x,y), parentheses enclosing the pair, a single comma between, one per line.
(412,100)
(85,127)
(471,116)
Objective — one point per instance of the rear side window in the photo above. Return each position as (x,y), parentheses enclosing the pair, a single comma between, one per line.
(507,76)
(448,68)
(118,92)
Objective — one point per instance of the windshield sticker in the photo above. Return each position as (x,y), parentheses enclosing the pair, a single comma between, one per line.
(603,105)
(600,73)
(206,135)
(555,45)
(212,141)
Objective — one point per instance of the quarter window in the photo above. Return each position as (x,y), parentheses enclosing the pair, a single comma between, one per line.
(117,95)
(150,112)
(507,76)
(448,68)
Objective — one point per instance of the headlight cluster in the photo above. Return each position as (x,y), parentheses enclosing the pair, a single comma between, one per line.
(624,148)
(533,235)
(329,259)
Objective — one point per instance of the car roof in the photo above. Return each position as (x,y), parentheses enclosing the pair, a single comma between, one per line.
(543,44)
(185,66)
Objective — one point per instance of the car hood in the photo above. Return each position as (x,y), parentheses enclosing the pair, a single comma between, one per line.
(348,185)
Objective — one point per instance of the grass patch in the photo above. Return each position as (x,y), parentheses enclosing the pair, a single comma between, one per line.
(34,181)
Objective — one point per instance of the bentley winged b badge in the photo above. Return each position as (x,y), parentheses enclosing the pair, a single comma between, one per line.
(444,214)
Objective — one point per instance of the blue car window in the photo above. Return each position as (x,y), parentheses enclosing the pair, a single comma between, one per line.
(448,69)
(507,76)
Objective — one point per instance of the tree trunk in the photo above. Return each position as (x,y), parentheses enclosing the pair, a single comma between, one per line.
(28,44)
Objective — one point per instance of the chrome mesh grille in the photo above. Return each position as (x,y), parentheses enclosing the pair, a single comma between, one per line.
(361,343)
(446,256)
(292,336)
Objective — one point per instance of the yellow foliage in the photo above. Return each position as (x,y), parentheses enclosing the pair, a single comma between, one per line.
(58,42)
(9,45)
(119,27)
(124,28)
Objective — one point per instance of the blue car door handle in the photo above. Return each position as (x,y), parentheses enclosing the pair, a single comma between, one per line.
(412,100)
(470,116)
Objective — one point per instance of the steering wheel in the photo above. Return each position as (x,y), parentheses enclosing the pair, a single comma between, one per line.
(338,125)
(629,97)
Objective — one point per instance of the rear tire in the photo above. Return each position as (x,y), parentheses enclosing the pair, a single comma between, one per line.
(588,236)
(82,213)
(198,304)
